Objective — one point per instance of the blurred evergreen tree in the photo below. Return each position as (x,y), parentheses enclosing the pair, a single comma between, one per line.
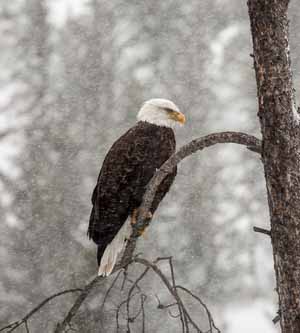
(79,87)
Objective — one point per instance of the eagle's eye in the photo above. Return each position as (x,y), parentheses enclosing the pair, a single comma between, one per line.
(169,110)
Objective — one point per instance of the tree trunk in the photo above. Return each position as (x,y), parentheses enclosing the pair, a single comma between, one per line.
(279,121)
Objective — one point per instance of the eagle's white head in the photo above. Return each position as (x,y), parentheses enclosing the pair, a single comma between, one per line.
(161,112)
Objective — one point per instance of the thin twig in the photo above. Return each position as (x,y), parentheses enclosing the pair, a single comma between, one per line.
(109,290)
(182,317)
(170,288)
(162,306)
(118,310)
(12,326)
(262,231)
(143,298)
(26,326)
(139,311)
(124,278)
(129,319)
(209,316)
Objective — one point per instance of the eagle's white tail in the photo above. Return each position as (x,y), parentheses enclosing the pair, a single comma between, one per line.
(113,249)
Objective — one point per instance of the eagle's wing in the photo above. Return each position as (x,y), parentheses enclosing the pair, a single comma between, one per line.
(128,167)
(125,170)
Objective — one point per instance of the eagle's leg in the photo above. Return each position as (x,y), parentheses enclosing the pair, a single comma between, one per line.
(134,220)
(133,216)
(149,215)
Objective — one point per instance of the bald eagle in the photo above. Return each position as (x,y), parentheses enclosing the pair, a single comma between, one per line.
(127,168)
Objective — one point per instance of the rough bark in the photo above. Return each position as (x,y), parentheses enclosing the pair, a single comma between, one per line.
(279,121)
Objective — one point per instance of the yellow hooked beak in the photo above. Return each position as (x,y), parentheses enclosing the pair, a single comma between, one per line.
(178,116)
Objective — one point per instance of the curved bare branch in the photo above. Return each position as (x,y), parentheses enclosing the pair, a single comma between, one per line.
(24,321)
(251,142)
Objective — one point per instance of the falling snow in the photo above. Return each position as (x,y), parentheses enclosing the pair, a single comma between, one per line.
(73,77)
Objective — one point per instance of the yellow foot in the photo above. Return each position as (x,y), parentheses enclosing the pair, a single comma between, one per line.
(143,233)
(133,217)
(149,215)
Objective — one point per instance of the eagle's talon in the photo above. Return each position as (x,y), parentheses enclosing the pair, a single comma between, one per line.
(134,217)
(149,215)
(142,232)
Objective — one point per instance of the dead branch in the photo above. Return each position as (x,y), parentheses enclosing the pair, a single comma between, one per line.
(24,321)
(80,299)
(129,297)
(133,310)
(209,316)
(143,221)
(192,147)
(184,315)
(183,311)
(143,313)
(119,310)
(262,230)
(109,290)
(183,319)
(251,142)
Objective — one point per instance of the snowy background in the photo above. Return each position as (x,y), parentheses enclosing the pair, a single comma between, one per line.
(73,76)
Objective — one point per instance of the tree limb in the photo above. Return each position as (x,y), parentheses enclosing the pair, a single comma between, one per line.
(12,326)
(172,287)
(192,147)
(80,299)
(262,230)
(251,142)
